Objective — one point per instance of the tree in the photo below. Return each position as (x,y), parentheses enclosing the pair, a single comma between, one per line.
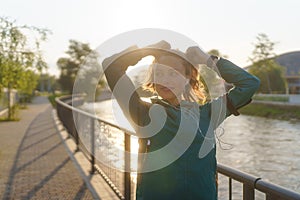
(67,74)
(213,84)
(89,80)
(69,66)
(47,83)
(82,65)
(265,68)
(19,54)
(26,87)
(216,52)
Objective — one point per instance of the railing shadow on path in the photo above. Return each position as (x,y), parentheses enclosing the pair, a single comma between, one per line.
(42,169)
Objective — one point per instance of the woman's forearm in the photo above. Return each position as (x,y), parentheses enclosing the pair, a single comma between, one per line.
(125,92)
(245,84)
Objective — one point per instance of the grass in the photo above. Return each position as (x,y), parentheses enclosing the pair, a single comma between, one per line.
(282,112)
(271,98)
(14,111)
(5,119)
(23,106)
(52,98)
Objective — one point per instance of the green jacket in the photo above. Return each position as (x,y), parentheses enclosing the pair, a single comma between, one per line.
(192,175)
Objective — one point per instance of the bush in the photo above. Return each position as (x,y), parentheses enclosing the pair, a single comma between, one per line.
(271,98)
(52,98)
(282,112)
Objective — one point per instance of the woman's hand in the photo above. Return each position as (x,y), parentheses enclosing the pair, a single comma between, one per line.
(161,45)
(196,56)
(132,55)
(128,57)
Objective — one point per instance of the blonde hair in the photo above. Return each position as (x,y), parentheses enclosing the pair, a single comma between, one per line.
(194,91)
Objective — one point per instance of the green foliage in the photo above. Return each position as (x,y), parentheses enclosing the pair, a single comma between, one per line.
(82,64)
(20,56)
(13,114)
(271,98)
(77,53)
(27,87)
(271,76)
(47,83)
(212,83)
(272,111)
(216,52)
(263,48)
(265,68)
(52,97)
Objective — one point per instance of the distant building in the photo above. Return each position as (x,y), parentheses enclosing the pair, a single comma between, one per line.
(291,61)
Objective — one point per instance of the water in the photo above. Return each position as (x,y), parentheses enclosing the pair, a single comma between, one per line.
(263,147)
(266,148)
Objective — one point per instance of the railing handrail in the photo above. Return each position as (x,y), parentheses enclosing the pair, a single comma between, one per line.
(257,183)
(57,99)
(271,190)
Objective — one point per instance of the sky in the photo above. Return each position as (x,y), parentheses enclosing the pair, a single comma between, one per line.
(229,26)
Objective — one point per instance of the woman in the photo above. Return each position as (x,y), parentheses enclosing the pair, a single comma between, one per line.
(186,172)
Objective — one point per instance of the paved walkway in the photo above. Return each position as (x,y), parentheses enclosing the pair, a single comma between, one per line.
(34,163)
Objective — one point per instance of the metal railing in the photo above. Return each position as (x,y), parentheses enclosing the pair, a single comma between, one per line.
(121,182)
(251,184)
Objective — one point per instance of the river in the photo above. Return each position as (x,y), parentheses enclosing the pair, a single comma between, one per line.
(263,147)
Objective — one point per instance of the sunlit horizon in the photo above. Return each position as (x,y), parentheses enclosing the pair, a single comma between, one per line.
(226,26)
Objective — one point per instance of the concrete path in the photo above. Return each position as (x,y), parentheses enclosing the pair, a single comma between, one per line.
(34,163)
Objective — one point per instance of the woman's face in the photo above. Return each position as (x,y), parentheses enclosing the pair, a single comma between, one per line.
(169,78)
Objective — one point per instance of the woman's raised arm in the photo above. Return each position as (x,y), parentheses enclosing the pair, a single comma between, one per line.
(122,87)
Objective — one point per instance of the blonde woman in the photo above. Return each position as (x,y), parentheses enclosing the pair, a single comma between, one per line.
(173,78)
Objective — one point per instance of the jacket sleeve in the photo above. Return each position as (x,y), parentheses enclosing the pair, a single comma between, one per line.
(124,92)
(245,84)
(244,87)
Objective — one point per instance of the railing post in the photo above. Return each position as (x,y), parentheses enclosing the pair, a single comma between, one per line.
(272,197)
(127,181)
(248,192)
(230,189)
(92,129)
(74,131)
